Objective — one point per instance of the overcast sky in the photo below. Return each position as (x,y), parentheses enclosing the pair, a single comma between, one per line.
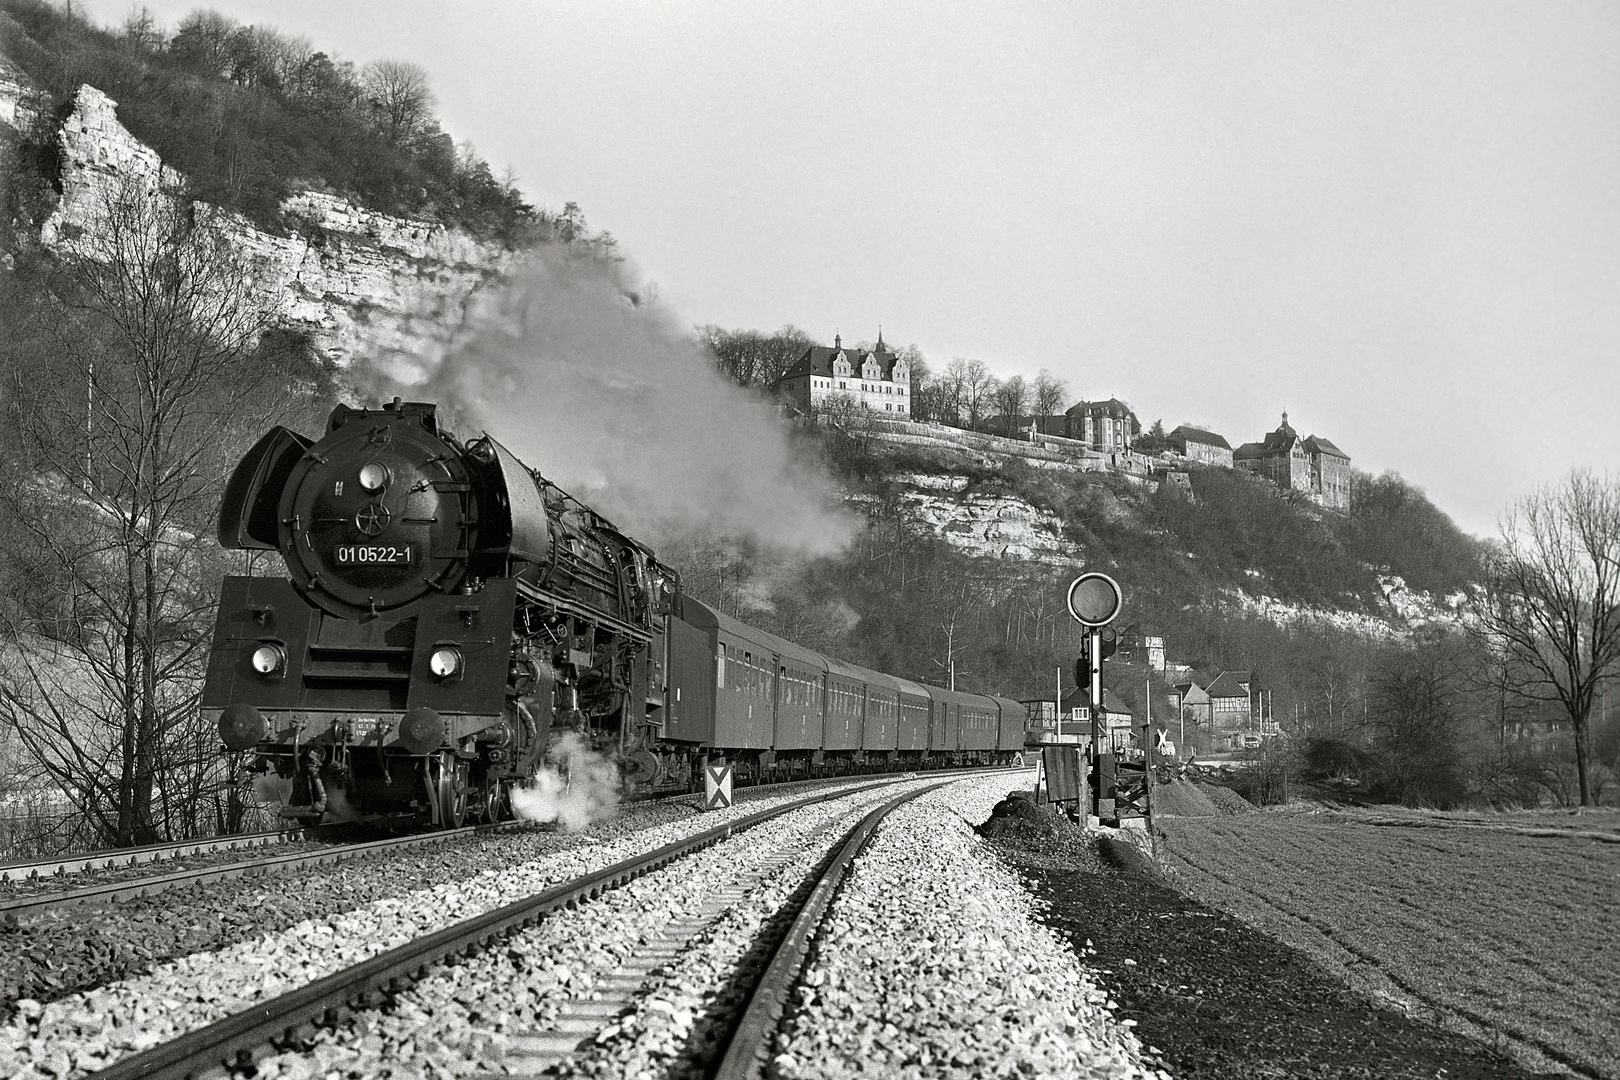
(1398,221)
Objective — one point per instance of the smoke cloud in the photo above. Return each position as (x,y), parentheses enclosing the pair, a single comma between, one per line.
(616,401)
(576,787)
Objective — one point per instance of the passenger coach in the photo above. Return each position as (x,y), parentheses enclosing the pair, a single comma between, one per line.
(778,710)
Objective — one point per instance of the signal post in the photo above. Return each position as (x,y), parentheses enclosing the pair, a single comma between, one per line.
(1095,601)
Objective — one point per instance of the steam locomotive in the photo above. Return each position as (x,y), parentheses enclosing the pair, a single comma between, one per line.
(449,614)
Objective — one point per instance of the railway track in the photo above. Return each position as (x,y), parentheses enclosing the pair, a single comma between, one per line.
(146,885)
(747,1051)
(33,872)
(328,1004)
(117,858)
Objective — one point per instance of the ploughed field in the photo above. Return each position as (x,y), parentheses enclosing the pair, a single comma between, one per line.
(1508,928)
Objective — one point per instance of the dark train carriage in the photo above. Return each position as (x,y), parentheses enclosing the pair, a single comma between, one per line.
(881,727)
(945,720)
(743,662)
(981,723)
(915,707)
(689,703)
(846,706)
(1014,719)
(801,682)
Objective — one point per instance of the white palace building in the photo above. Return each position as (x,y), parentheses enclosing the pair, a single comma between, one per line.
(875,378)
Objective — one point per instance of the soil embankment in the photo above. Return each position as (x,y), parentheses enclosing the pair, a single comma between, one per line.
(1217,999)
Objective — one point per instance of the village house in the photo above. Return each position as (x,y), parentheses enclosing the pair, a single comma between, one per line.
(874,379)
(1194,718)
(1312,466)
(1076,717)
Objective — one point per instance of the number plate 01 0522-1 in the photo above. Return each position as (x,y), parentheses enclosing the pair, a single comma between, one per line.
(373,555)
(365,728)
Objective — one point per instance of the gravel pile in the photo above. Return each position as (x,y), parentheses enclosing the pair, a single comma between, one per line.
(931,964)
(468,1018)
(1225,799)
(85,1030)
(1179,798)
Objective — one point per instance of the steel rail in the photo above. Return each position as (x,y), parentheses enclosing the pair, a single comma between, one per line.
(755,1029)
(231,1041)
(123,890)
(116,858)
(112,891)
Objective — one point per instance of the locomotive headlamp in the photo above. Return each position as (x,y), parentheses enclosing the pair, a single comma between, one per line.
(269,659)
(374,476)
(445,661)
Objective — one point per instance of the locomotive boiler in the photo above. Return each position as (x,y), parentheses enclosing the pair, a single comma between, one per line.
(447,614)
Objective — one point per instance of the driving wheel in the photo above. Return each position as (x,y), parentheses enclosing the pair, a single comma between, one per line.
(449,776)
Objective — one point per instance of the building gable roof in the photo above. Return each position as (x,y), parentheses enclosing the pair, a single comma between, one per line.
(1317,445)
(1231,684)
(1192,694)
(1186,433)
(818,360)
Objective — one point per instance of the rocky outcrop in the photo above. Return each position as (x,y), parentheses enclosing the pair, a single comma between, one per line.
(986,525)
(363,285)
(20,101)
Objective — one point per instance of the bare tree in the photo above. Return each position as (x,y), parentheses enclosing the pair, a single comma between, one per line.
(398,90)
(1050,392)
(975,381)
(141,29)
(204,40)
(752,358)
(1551,603)
(950,388)
(924,386)
(123,435)
(1012,398)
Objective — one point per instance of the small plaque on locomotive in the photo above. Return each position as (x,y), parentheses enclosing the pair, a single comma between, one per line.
(373,555)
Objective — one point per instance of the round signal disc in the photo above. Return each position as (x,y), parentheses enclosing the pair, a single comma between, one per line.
(1094,599)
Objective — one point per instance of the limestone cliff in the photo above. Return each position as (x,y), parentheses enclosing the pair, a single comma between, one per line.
(983,525)
(363,285)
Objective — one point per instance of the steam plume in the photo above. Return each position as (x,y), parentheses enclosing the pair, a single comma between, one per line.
(576,787)
(617,402)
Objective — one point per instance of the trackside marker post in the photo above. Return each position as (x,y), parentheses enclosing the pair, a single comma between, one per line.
(717,786)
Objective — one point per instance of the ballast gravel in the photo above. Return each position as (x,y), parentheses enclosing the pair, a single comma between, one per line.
(932,963)
(470,1018)
(83,1031)
(57,953)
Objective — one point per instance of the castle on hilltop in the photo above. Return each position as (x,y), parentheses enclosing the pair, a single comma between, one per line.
(1099,434)
(874,378)
(1312,465)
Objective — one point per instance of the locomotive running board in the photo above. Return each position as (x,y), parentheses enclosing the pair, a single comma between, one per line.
(574,607)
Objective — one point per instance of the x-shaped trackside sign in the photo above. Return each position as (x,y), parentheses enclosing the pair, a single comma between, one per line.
(717,786)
